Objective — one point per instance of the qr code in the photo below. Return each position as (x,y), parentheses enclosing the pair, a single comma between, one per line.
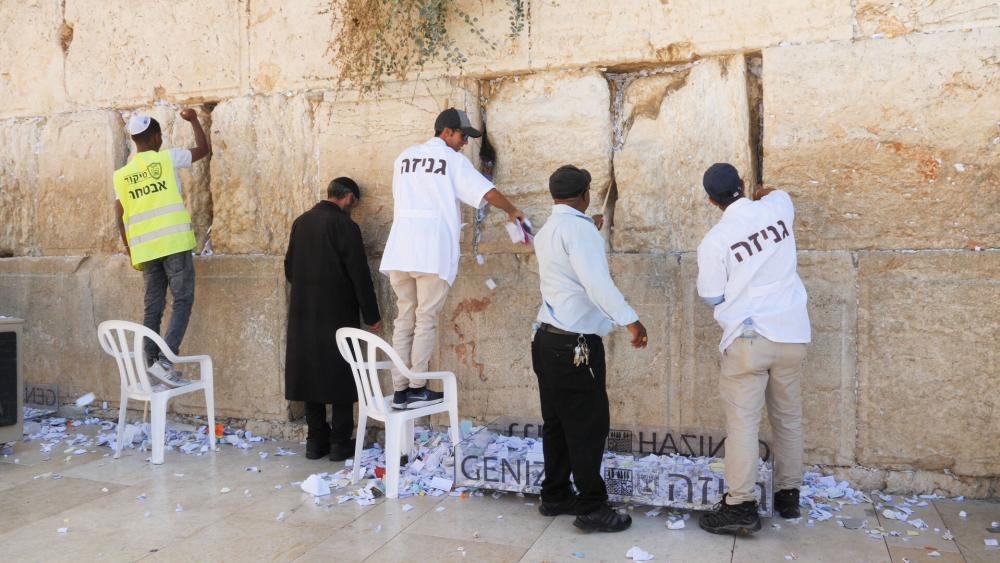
(619,481)
(620,441)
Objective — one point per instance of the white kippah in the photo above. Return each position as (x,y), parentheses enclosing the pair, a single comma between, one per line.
(137,124)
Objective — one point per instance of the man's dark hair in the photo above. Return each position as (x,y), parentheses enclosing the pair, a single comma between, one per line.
(340,187)
(146,136)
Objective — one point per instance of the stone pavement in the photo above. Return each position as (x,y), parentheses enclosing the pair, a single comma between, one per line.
(127,510)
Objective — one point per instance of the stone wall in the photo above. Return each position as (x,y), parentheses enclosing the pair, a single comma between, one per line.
(880,118)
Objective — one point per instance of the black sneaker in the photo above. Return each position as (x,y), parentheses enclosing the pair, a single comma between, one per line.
(567,506)
(340,452)
(786,503)
(399,400)
(737,519)
(604,519)
(422,397)
(317,448)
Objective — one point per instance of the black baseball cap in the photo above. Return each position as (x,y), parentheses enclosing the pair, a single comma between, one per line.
(722,182)
(568,181)
(456,119)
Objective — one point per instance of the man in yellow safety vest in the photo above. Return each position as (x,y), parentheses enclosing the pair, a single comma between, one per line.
(156,230)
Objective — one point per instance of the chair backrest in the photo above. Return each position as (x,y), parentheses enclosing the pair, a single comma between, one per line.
(361,351)
(122,340)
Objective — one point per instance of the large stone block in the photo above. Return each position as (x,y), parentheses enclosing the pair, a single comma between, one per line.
(538,123)
(829,401)
(595,32)
(673,126)
(291,44)
(928,362)
(484,336)
(263,171)
(126,53)
(295,45)
(195,188)
(890,18)
(31,36)
(239,319)
(60,343)
(77,157)
(361,137)
(828,380)
(19,140)
(642,383)
(902,155)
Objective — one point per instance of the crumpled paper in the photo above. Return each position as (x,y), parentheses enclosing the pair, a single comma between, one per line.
(635,553)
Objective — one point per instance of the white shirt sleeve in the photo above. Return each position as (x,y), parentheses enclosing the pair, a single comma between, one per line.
(586,254)
(470,185)
(711,270)
(181,158)
(781,201)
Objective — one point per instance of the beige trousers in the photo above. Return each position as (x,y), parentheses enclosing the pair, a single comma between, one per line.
(756,371)
(419,299)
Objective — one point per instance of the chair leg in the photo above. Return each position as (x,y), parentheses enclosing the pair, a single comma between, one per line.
(454,430)
(392,448)
(158,427)
(406,443)
(210,407)
(359,441)
(121,426)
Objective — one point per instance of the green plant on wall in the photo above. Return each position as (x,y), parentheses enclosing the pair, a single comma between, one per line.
(388,38)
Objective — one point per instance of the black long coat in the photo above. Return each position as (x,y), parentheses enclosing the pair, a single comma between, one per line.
(331,288)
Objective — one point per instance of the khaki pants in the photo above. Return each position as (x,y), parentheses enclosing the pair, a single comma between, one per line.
(756,370)
(419,299)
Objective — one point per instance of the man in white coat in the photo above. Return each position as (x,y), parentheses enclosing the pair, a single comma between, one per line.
(747,270)
(422,252)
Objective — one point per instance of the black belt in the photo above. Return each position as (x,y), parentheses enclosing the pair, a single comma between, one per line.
(546,327)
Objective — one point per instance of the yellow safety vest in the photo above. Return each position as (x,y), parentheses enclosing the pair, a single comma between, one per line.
(156,222)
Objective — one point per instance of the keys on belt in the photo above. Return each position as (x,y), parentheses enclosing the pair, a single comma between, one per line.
(581,352)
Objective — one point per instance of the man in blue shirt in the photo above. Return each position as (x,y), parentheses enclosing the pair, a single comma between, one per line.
(580,304)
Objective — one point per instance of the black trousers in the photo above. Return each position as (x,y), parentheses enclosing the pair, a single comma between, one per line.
(576,414)
(341,422)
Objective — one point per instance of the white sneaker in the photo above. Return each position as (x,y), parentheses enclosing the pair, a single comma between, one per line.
(165,372)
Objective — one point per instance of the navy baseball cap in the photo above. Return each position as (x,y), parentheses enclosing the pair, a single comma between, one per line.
(722,182)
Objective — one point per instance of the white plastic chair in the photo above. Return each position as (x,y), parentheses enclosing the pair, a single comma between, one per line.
(122,340)
(361,350)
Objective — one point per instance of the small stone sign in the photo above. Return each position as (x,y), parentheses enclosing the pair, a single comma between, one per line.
(507,455)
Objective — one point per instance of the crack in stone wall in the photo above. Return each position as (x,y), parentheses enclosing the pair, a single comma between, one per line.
(755,101)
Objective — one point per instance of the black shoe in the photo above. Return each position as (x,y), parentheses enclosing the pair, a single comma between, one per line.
(786,503)
(421,397)
(342,451)
(737,519)
(399,400)
(317,448)
(567,506)
(604,519)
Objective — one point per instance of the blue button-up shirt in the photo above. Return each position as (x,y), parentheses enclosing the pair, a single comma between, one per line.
(578,293)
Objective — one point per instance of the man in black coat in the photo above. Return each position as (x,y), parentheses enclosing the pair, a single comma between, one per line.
(331,287)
